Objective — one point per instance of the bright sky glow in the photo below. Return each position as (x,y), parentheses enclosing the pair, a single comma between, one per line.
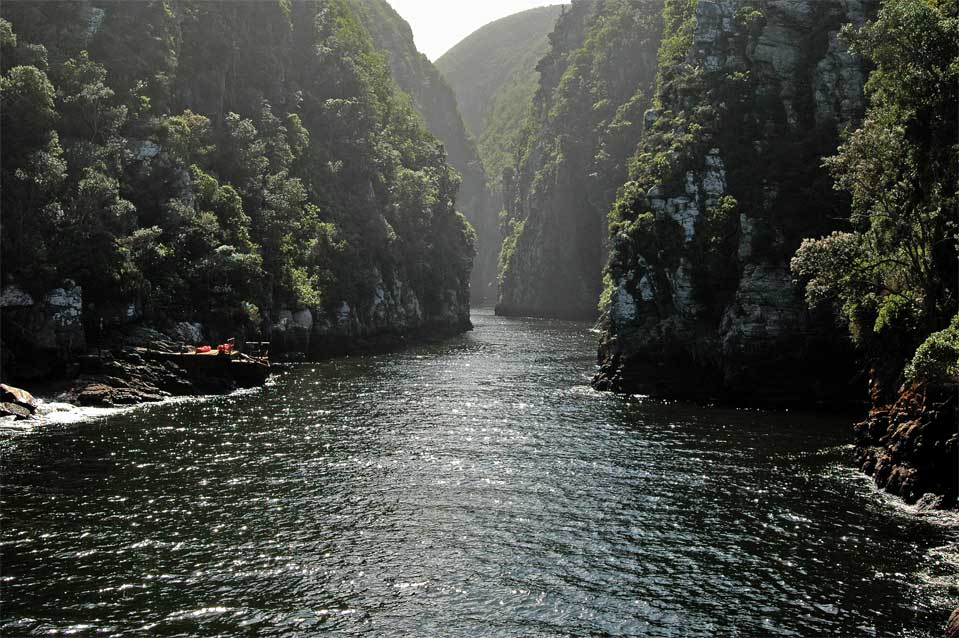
(438,25)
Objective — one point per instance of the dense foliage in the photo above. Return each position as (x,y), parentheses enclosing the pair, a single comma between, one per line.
(437,104)
(893,273)
(493,72)
(217,160)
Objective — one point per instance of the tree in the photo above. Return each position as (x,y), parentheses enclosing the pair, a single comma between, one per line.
(33,171)
(894,272)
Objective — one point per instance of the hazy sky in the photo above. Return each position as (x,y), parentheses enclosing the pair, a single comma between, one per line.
(440,24)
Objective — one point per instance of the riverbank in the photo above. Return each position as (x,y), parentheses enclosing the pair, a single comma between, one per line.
(911,447)
(131,374)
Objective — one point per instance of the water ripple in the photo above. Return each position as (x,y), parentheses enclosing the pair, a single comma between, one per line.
(478,487)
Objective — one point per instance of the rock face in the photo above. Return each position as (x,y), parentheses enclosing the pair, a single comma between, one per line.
(189,332)
(493,73)
(911,448)
(42,333)
(595,83)
(393,311)
(701,300)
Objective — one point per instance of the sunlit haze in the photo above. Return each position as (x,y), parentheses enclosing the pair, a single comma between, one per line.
(438,25)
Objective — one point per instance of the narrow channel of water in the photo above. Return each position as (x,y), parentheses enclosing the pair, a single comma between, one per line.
(476,487)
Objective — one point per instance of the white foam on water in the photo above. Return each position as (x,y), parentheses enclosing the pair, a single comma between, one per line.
(53,412)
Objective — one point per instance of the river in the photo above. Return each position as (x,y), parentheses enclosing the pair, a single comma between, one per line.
(476,487)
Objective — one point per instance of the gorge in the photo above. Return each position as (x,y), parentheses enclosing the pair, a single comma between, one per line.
(716,233)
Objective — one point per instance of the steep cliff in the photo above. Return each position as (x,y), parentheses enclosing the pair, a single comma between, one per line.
(437,104)
(699,298)
(596,82)
(250,166)
(493,73)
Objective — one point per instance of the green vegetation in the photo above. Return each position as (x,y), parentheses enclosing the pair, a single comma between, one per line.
(217,161)
(937,359)
(697,109)
(586,119)
(493,73)
(432,96)
(436,103)
(892,273)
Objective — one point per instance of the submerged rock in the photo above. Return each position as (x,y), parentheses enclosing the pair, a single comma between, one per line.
(952,630)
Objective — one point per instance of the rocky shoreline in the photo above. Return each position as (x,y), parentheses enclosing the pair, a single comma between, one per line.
(911,447)
(66,348)
(125,375)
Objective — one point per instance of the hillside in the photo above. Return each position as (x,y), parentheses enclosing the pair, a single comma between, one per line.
(435,101)
(248,168)
(493,73)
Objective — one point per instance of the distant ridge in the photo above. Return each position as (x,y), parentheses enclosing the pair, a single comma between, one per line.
(493,73)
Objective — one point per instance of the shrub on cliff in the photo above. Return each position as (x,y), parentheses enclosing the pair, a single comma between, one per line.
(937,359)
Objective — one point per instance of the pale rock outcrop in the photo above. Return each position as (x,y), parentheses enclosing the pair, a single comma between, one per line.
(60,319)
(14,297)
(713,309)
(292,330)
(392,309)
(190,332)
(146,150)
(40,335)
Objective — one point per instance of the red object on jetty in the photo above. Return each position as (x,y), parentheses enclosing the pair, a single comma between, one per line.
(203,349)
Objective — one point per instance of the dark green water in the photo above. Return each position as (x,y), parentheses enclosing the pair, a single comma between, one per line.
(472,488)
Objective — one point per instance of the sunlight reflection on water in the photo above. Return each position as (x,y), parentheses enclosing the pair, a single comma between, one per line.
(477,487)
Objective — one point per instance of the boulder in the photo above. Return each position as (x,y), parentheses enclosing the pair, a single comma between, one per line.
(189,332)
(952,630)
(10,394)
(12,409)
(144,336)
(96,395)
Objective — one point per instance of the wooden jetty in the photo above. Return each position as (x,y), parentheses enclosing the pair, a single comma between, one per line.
(245,371)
